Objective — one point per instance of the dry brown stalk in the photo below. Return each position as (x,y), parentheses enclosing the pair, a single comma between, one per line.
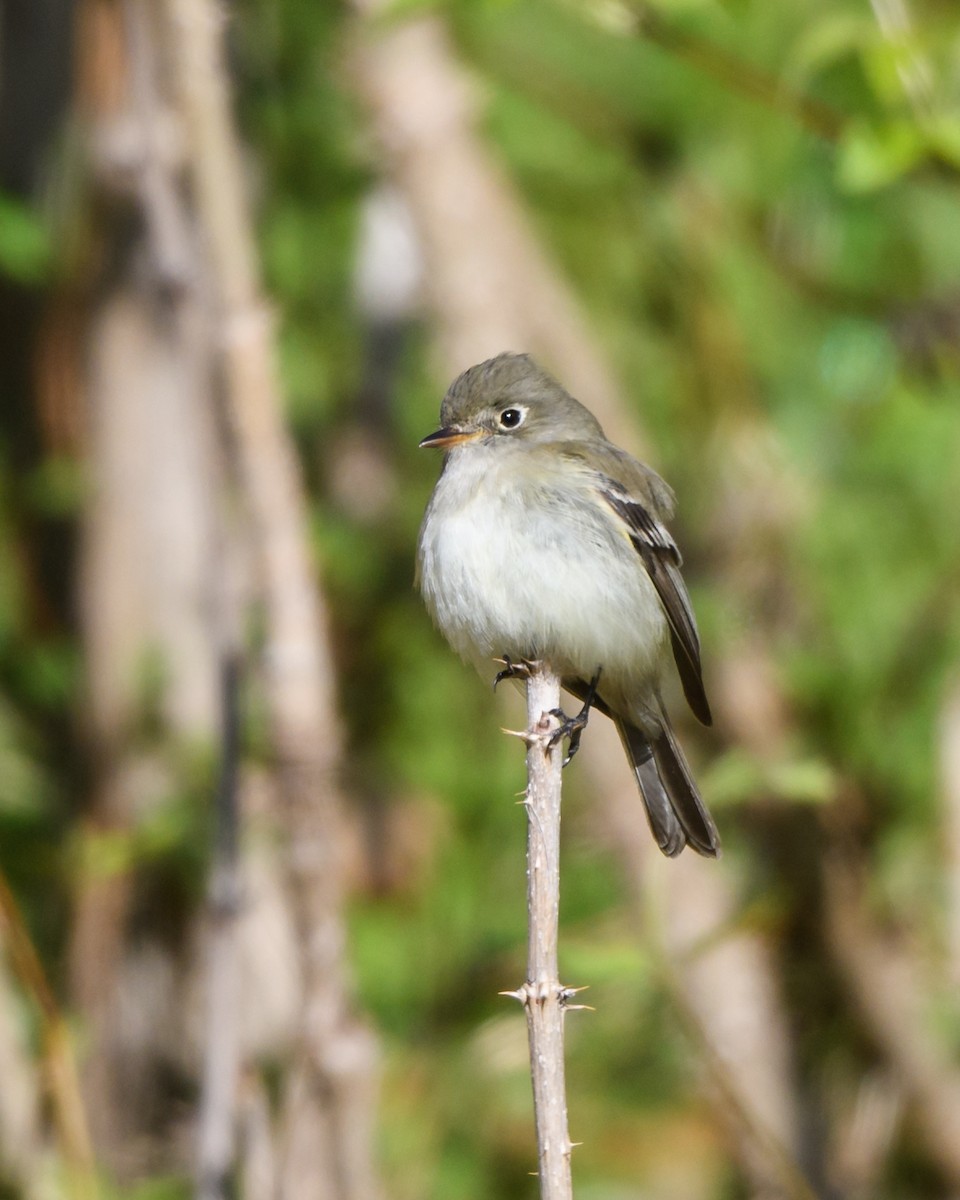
(489,283)
(145,575)
(330,1104)
(59,1063)
(886,983)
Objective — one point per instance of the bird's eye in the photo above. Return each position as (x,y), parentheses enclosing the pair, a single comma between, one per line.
(510,418)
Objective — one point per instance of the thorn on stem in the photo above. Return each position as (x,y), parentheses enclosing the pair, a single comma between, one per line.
(524,735)
(566,994)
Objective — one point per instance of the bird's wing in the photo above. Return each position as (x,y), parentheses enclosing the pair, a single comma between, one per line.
(638,497)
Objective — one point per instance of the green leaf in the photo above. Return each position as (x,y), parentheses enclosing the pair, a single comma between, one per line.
(943,136)
(24,245)
(873,156)
(737,777)
(826,42)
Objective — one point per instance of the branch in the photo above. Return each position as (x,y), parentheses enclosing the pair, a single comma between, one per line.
(738,75)
(543,997)
(59,1063)
(948,755)
(741,77)
(489,284)
(217,1115)
(330,1095)
(888,987)
(763,1153)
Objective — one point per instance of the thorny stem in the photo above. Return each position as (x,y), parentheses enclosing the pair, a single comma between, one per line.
(542,995)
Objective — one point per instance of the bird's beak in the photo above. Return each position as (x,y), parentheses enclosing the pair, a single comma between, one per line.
(451,437)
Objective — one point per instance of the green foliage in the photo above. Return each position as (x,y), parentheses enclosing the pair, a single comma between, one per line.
(25,251)
(739,270)
(743,273)
(160,1187)
(24,784)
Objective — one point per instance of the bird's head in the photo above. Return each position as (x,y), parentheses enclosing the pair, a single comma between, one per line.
(510,397)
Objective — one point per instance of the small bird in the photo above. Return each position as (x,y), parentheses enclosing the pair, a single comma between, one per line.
(544,541)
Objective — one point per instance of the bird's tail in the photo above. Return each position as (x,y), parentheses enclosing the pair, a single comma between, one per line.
(675,810)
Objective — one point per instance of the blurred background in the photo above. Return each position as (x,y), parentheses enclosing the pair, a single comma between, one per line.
(261,860)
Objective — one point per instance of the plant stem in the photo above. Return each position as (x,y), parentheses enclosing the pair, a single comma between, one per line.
(543,996)
(59,1062)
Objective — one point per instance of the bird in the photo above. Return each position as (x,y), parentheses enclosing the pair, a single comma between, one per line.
(544,541)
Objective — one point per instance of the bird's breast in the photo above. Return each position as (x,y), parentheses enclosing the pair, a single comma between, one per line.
(536,567)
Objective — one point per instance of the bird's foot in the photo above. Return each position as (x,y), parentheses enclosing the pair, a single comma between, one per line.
(573,727)
(511,670)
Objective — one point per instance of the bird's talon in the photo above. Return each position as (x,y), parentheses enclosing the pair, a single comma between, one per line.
(573,727)
(569,727)
(511,670)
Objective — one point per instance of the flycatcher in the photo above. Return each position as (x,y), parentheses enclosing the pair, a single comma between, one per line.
(544,541)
